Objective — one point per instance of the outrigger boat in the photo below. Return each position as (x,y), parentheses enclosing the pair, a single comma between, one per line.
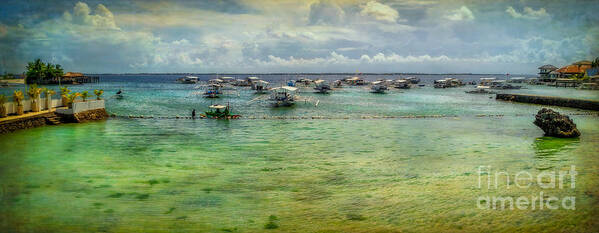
(413,80)
(355,81)
(227,79)
(260,86)
(216,81)
(283,96)
(337,83)
(213,91)
(322,86)
(219,112)
(188,80)
(402,84)
(448,82)
(304,81)
(378,87)
(481,90)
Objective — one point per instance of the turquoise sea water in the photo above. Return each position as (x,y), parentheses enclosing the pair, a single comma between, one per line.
(344,174)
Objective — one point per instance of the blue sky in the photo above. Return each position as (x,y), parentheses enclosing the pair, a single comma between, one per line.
(427,36)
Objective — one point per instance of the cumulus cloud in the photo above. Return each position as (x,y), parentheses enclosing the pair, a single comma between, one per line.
(102,17)
(335,58)
(312,36)
(379,11)
(528,13)
(461,14)
(325,12)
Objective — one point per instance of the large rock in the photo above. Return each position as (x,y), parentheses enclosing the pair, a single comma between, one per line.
(555,124)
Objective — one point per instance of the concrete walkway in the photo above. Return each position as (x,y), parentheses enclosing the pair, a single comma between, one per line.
(27,114)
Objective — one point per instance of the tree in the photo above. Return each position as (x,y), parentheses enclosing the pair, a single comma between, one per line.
(595,63)
(35,71)
(38,72)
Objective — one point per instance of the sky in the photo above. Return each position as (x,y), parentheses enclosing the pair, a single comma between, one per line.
(268,36)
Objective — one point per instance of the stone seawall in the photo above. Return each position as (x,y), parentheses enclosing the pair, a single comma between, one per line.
(551,100)
(90,115)
(51,118)
(24,123)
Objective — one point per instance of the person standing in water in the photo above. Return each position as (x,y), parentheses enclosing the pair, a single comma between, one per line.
(193,114)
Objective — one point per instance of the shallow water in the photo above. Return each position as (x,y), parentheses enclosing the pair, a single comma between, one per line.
(326,175)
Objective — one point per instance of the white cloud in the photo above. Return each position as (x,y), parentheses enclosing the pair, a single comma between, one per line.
(461,14)
(325,12)
(528,13)
(379,11)
(339,59)
(81,15)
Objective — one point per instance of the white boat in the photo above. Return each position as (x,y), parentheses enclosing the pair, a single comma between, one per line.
(413,80)
(337,83)
(304,81)
(188,80)
(355,81)
(216,81)
(481,90)
(241,83)
(322,86)
(283,96)
(486,81)
(448,82)
(402,84)
(251,80)
(227,79)
(378,87)
(213,91)
(260,86)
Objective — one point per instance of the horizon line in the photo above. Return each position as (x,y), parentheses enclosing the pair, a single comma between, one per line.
(301,73)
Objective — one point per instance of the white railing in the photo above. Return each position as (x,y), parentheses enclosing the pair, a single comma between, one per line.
(11,107)
(82,107)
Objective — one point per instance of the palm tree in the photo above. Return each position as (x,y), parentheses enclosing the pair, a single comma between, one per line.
(18,97)
(35,71)
(98,93)
(2,108)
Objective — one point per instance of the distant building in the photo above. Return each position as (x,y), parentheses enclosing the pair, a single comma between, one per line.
(577,68)
(72,75)
(71,78)
(544,73)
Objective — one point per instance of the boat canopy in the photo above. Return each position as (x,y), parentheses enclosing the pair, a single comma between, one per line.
(319,81)
(226,78)
(217,106)
(285,89)
(253,78)
(262,81)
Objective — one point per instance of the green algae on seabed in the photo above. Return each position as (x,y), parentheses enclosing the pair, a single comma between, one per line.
(385,175)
